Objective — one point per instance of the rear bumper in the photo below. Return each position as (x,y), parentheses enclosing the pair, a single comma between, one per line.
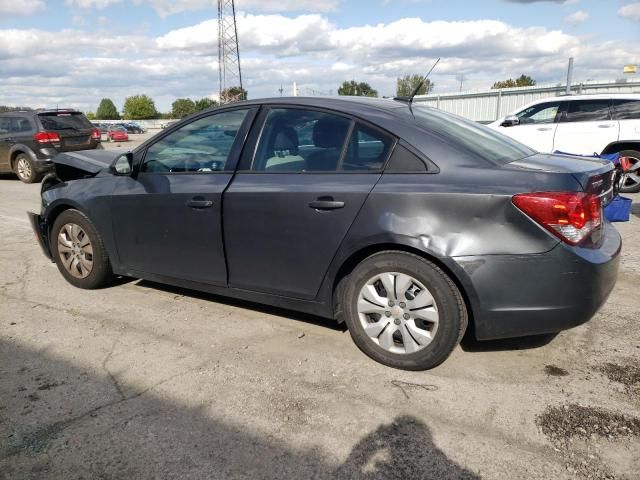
(41,232)
(519,295)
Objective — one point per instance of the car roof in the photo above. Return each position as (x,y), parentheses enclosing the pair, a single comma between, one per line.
(345,104)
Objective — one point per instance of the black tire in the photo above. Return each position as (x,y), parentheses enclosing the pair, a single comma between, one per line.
(452,311)
(629,186)
(100,273)
(25,170)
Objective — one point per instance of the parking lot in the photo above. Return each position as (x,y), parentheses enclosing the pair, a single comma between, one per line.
(141,380)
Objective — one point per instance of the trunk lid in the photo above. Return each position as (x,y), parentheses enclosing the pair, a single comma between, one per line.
(593,174)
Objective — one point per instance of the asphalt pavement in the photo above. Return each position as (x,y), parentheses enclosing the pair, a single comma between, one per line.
(140,380)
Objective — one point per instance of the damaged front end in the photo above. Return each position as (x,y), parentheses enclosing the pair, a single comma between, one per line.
(77,165)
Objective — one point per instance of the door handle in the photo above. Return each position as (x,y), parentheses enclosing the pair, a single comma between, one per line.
(544,129)
(199,204)
(605,126)
(326,203)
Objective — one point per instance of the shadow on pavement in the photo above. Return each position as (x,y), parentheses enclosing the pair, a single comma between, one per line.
(258,307)
(471,344)
(58,420)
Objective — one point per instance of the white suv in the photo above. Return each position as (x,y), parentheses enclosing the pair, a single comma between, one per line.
(583,125)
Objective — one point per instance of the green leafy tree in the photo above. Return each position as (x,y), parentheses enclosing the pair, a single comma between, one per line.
(521,81)
(107,110)
(91,116)
(407,84)
(182,107)
(139,107)
(353,88)
(233,94)
(205,103)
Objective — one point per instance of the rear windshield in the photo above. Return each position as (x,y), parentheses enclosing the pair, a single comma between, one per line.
(64,121)
(471,136)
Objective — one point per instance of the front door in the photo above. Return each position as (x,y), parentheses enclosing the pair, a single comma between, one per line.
(286,214)
(167,217)
(537,126)
(6,140)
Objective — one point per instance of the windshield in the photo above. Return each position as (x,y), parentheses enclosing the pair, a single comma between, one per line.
(478,139)
(64,121)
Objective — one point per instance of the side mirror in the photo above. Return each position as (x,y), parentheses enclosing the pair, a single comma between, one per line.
(123,165)
(510,121)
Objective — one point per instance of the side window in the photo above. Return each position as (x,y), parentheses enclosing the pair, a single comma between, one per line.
(4,125)
(587,111)
(200,146)
(368,149)
(298,140)
(627,109)
(19,125)
(403,161)
(540,113)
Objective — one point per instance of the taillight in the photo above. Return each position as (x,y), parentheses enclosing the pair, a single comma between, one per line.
(46,137)
(95,134)
(571,216)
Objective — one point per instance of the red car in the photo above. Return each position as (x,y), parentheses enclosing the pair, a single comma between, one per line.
(117,133)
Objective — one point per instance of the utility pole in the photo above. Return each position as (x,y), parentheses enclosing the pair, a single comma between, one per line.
(230,74)
(569,76)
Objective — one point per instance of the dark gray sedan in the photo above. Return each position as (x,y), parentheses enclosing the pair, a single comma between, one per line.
(408,224)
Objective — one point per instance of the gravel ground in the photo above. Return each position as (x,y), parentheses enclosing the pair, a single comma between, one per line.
(145,381)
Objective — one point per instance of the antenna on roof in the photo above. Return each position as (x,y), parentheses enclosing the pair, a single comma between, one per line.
(409,99)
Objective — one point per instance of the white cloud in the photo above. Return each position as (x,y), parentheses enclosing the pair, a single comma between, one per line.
(99,4)
(21,7)
(576,18)
(277,50)
(631,11)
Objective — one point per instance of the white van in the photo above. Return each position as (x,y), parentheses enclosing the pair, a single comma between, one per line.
(583,125)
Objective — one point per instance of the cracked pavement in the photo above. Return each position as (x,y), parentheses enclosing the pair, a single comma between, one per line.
(145,381)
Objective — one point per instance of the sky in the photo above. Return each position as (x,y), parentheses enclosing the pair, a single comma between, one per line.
(73,53)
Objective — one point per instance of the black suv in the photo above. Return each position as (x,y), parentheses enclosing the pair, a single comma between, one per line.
(30,139)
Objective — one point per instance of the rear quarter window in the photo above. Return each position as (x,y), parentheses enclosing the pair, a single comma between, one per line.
(64,121)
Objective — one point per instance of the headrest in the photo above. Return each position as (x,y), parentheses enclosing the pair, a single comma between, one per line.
(328,133)
(286,142)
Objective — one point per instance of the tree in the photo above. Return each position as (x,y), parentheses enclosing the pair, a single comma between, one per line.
(356,89)
(205,103)
(107,110)
(139,107)
(182,107)
(91,116)
(407,84)
(521,81)
(5,108)
(233,94)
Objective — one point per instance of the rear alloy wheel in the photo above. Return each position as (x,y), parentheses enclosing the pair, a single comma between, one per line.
(79,252)
(23,166)
(403,310)
(631,179)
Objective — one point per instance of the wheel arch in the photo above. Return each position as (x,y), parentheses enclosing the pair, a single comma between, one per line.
(450,268)
(619,146)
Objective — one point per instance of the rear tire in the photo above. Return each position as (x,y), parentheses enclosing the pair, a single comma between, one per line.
(24,169)
(79,251)
(414,327)
(631,182)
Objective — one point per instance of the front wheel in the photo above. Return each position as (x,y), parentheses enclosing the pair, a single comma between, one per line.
(631,179)
(79,252)
(403,311)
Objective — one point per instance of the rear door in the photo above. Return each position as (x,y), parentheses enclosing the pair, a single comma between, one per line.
(537,126)
(586,127)
(627,112)
(295,196)
(167,218)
